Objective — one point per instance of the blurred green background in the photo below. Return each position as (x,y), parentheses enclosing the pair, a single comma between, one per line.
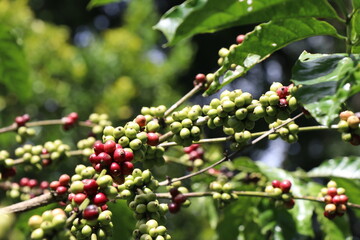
(110,60)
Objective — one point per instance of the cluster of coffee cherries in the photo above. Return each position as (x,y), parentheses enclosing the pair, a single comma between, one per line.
(178,199)
(42,155)
(25,189)
(234,111)
(335,200)
(150,230)
(50,224)
(185,126)
(280,190)
(222,192)
(87,184)
(155,112)
(287,133)
(100,121)
(112,157)
(70,120)
(224,52)
(86,145)
(138,189)
(195,154)
(349,126)
(7,168)
(140,137)
(23,132)
(88,197)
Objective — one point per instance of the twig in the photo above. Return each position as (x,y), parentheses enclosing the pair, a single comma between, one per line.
(252,194)
(265,134)
(32,203)
(14,126)
(183,99)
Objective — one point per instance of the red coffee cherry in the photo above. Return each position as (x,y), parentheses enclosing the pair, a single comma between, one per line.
(129,156)
(173,207)
(100,199)
(79,198)
(174,192)
(127,168)
(200,78)
(74,116)
(109,146)
(285,186)
(98,147)
(276,183)
(90,186)
(64,180)
(119,155)
(91,212)
(153,139)
(343,199)
(240,38)
(24,181)
(332,191)
(140,120)
(54,185)
(61,190)
(179,199)
(104,159)
(115,169)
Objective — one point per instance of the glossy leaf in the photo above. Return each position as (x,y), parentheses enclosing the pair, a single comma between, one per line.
(262,42)
(356,4)
(13,65)
(355,32)
(327,82)
(201,16)
(303,210)
(97,3)
(343,167)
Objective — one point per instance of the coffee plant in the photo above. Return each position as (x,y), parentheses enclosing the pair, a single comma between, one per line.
(133,180)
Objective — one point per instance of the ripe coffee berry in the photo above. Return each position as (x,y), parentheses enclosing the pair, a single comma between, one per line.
(109,146)
(90,186)
(276,183)
(200,78)
(153,139)
(240,38)
(100,199)
(79,198)
(91,212)
(61,190)
(173,207)
(141,120)
(285,186)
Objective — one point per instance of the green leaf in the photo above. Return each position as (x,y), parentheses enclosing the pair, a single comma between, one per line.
(356,4)
(343,167)
(327,82)
(262,42)
(13,65)
(97,3)
(355,32)
(303,210)
(201,16)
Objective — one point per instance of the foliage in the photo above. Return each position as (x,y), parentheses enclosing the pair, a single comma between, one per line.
(123,69)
